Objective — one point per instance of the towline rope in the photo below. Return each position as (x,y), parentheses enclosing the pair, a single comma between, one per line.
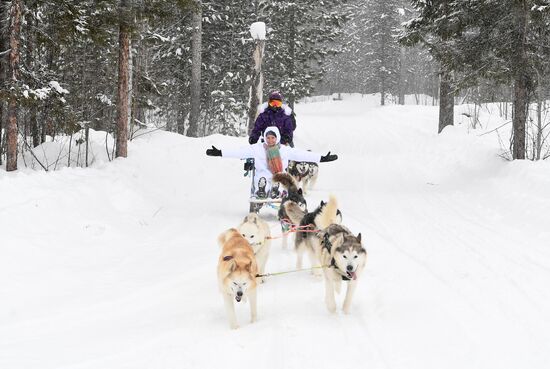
(291,271)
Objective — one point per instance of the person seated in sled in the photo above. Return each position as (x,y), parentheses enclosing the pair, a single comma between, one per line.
(274,113)
(270,157)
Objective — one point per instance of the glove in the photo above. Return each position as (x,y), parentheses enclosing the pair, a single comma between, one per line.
(249,164)
(214,151)
(252,140)
(285,139)
(328,157)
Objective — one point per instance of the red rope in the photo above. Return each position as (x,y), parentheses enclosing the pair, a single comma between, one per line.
(294,228)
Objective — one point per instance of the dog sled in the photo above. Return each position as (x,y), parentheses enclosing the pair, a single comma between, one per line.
(258,199)
(305,174)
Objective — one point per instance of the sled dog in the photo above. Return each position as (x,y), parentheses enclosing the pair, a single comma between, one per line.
(294,195)
(256,231)
(345,258)
(304,173)
(327,213)
(237,270)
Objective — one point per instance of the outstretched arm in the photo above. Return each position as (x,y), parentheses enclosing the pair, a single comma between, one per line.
(239,153)
(301,155)
(243,152)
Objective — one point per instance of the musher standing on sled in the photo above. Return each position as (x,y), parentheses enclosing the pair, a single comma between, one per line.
(270,157)
(274,113)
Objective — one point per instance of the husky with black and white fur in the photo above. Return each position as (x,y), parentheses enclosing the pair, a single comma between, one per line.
(325,214)
(344,257)
(304,173)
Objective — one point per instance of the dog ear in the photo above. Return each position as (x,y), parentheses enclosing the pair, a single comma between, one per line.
(340,237)
(232,264)
(359,237)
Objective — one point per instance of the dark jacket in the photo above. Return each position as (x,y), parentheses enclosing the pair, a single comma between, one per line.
(279,117)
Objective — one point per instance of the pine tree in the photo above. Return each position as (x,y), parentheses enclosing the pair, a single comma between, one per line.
(302,36)
(382,52)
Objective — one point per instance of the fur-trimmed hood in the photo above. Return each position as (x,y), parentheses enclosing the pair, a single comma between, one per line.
(275,130)
(285,107)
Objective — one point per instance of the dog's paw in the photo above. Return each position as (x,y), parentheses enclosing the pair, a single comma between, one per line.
(346,309)
(331,306)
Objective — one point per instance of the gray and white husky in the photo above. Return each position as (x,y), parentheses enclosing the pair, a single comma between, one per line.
(345,258)
(257,232)
(304,173)
(325,214)
(293,196)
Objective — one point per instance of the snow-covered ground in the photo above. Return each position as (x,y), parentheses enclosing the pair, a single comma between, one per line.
(114,266)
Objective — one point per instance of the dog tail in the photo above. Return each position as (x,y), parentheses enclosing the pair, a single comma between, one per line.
(286,180)
(294,212)
(328,215)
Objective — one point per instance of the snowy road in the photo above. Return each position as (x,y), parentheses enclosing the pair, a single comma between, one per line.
(114,267)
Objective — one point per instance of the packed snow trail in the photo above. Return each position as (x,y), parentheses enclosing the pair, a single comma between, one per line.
(115,266)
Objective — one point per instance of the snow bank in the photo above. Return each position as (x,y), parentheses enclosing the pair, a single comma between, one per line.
(114,266)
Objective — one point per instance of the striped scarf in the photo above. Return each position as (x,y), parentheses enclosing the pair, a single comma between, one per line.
(273,156)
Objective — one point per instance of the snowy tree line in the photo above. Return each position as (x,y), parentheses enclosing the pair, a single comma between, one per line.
(185,65)
(456,51)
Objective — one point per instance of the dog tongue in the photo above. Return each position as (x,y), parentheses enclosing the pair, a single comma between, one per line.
(353,275)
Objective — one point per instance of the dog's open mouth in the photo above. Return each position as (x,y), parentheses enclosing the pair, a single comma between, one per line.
(238,298)
(352,275)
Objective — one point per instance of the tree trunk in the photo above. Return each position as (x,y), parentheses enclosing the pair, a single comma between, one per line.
(123,84)
(382,91)
(291,55)
(521,102)
(11,134)
(521,81)
(538,143)
(4,8)
(446,101)
(196,61)
(35,132)
(402,78)
(256,89)
(139,71)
